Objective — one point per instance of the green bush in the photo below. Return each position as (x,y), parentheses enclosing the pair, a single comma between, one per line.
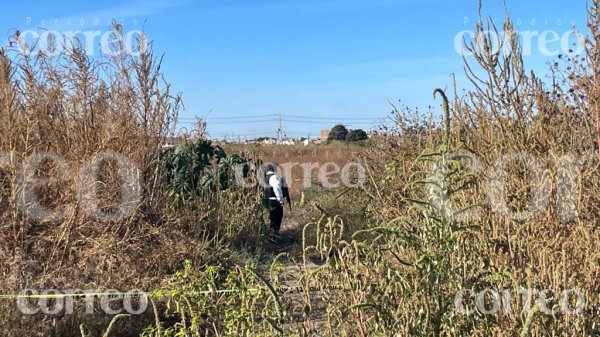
(356,135)
(338,132)
(189,169)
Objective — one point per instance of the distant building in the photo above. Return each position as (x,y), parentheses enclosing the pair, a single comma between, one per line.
(269,141)
(324,135)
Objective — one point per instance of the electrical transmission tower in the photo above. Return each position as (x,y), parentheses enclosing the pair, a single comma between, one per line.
(279,131)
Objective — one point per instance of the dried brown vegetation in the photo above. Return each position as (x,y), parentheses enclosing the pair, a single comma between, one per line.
(68,110)
(444,213)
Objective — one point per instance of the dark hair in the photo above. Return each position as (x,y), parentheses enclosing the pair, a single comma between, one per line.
(270,167)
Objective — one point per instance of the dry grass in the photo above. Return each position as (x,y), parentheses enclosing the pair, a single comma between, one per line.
(405,271)
(73,108)
(338,153)
(397,276)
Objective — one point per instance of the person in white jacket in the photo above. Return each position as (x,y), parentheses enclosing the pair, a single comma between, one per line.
(274,187)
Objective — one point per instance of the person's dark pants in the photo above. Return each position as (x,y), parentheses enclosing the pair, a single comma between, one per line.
(276,216)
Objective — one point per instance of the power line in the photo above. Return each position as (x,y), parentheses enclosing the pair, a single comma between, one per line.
(229,117)
(234,122)
(327,122)
(233,136)
(275,116)
(277,121)
(363,122)
(333,118)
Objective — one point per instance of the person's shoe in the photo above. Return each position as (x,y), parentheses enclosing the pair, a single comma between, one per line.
(274,236)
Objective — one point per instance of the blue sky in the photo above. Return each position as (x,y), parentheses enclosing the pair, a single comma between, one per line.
(329,59)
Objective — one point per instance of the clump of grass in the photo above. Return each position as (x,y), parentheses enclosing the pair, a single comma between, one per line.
(402,271)
(74,107)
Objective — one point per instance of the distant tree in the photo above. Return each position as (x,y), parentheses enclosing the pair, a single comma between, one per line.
(338,132)
(356,135)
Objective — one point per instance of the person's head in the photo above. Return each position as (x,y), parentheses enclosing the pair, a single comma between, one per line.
(270,168)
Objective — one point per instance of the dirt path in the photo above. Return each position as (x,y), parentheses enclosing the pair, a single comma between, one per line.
(291,232)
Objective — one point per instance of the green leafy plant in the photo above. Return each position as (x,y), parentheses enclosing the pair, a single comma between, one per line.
(219,301)
(189,169)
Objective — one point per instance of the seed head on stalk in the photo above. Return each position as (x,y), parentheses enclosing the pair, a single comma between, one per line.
(446,108)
